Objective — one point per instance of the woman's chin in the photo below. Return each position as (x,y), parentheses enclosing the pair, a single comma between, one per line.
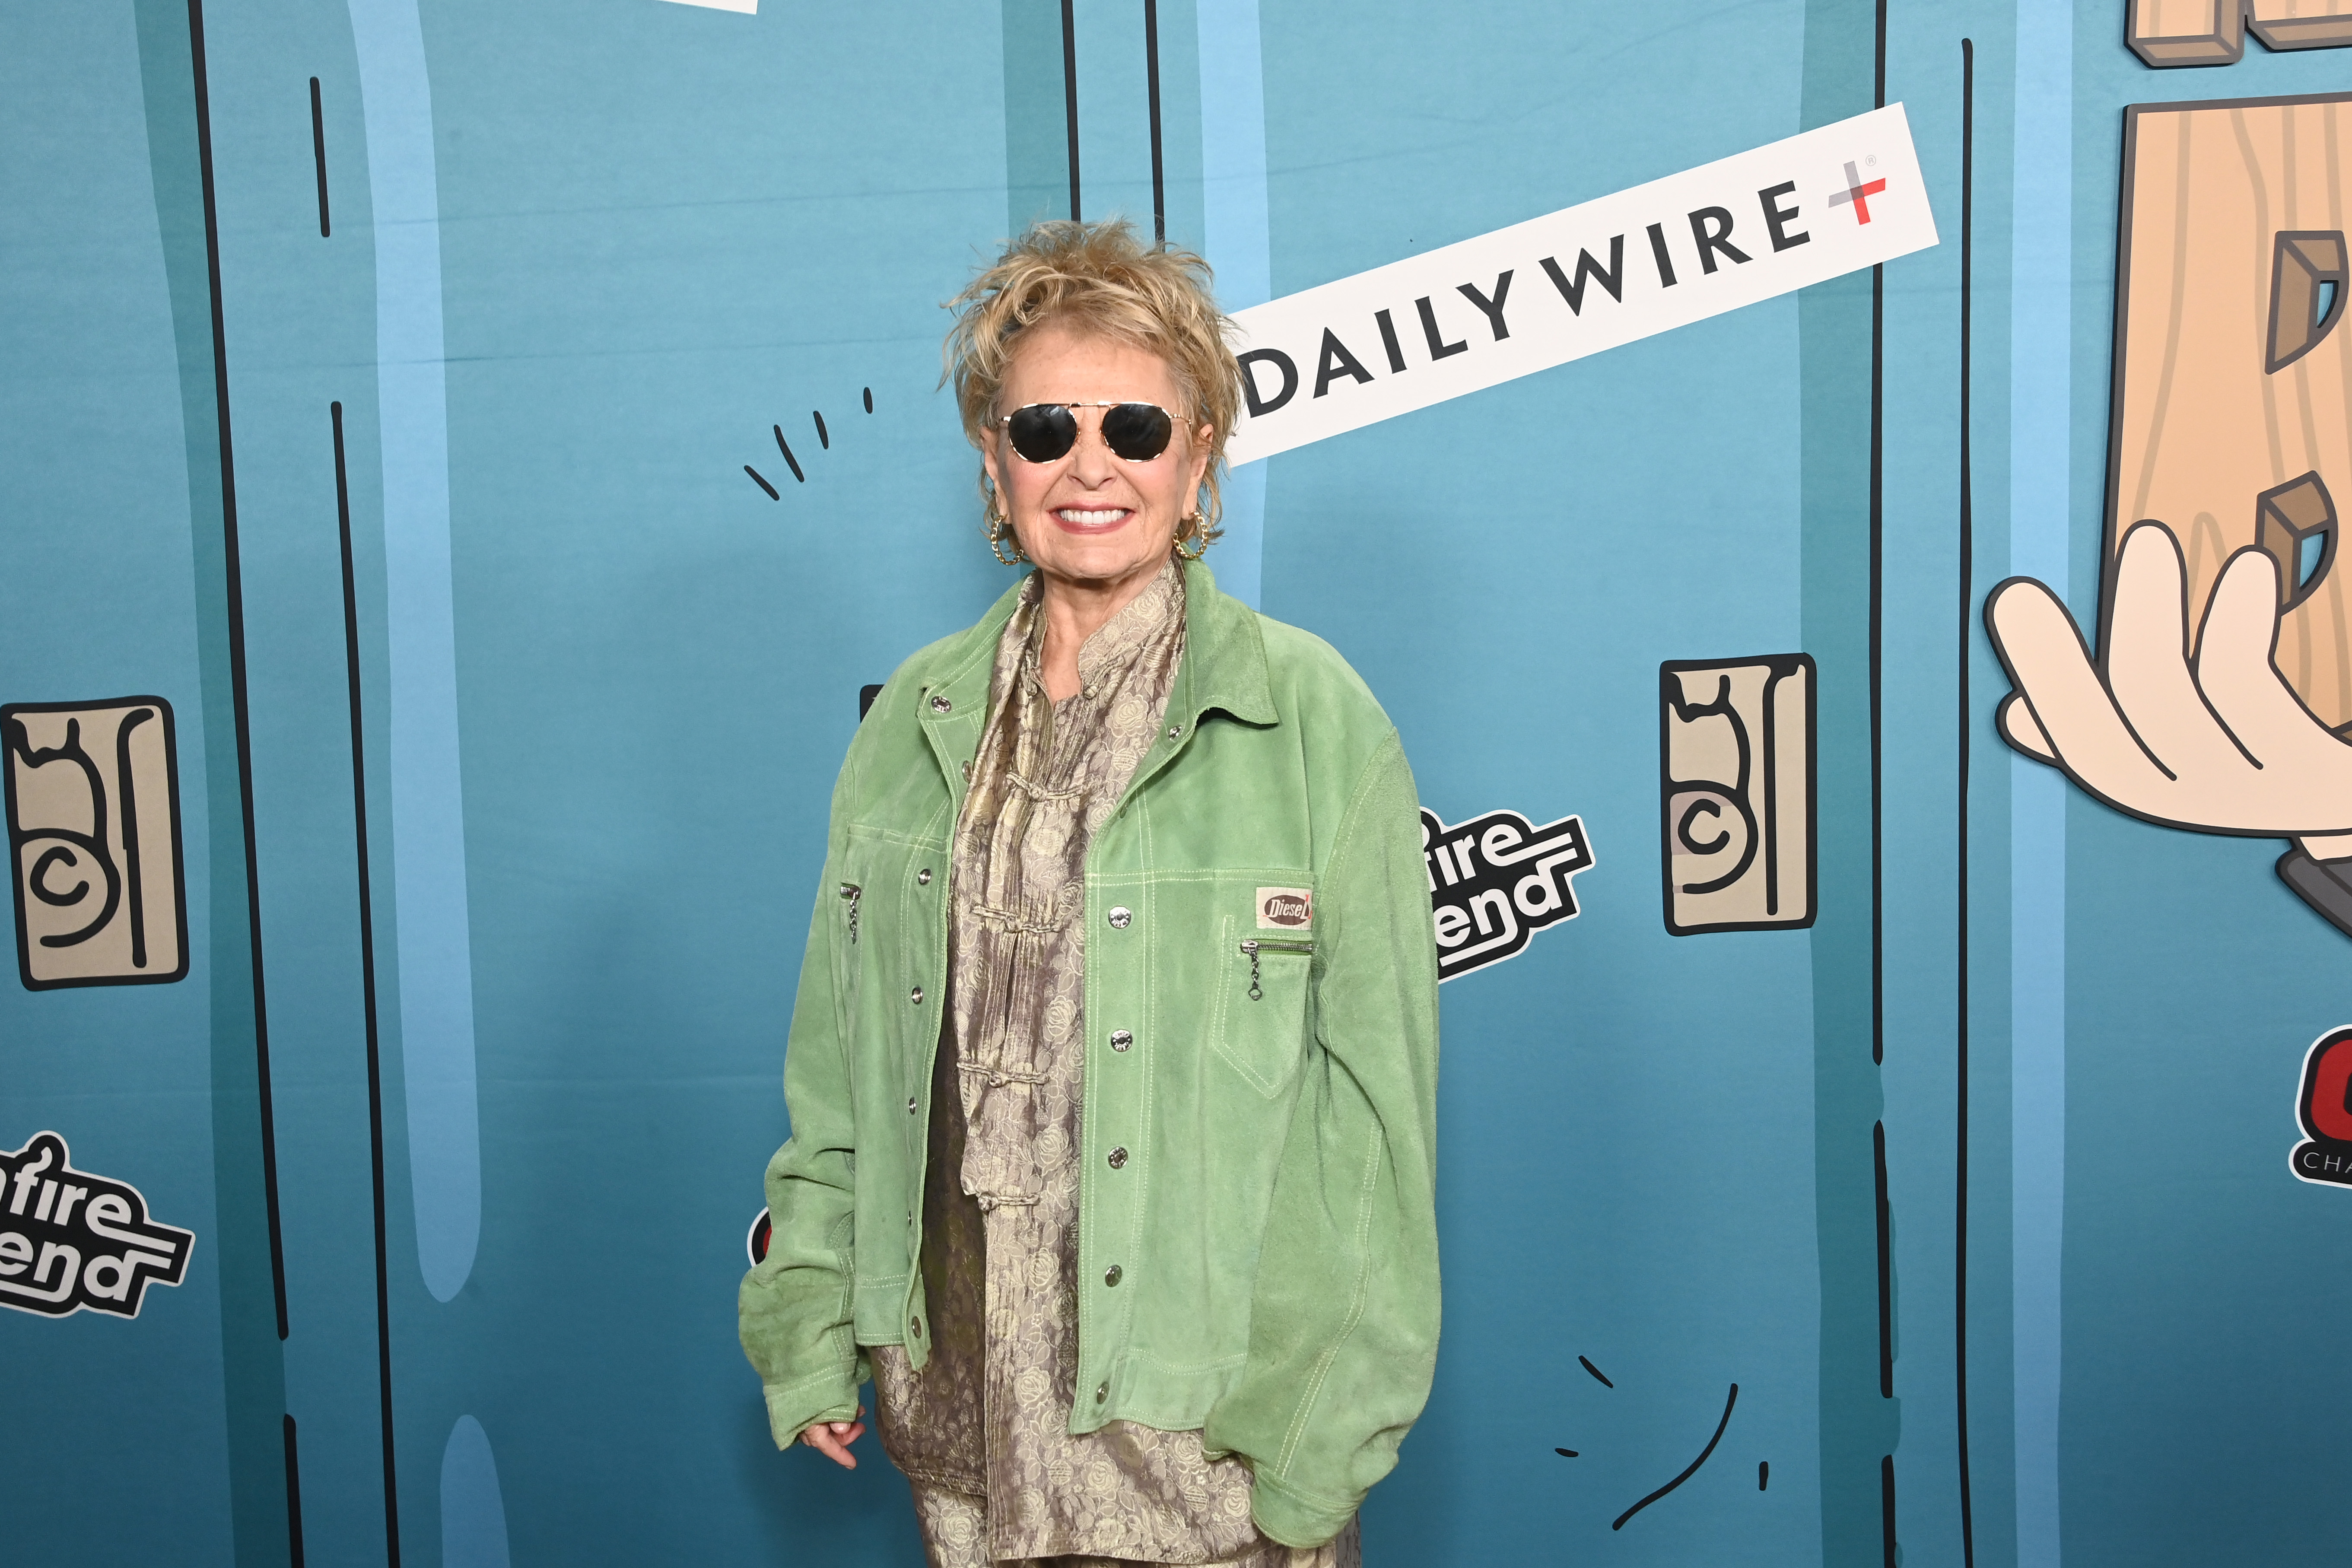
(1101,555)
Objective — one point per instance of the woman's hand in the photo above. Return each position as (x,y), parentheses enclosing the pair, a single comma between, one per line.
(832,1439)
(2213,741)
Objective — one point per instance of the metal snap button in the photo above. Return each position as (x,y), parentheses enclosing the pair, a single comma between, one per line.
(923,877)
(1119,1158)
(967,772)
(916,996)
(915,1324)
(941,705)
(1102,1392)
(910,1110)
(1110,1275)
(1120,1039)
(1119,915)
(1174,730)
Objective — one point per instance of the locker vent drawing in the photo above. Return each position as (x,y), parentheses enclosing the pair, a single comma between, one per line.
(92,792)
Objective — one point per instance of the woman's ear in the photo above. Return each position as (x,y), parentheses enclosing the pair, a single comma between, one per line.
(995,479)
(1204,446)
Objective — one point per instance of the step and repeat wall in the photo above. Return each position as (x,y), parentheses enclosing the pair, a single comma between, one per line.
(1838,497)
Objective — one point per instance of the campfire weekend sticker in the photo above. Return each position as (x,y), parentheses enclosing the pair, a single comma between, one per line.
(1496,879)
(1467,316)
(70,1241)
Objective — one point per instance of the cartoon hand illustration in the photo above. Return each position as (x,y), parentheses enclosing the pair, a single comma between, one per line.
(2215,742)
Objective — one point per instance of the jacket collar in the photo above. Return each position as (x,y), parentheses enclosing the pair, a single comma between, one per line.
(1224,655)
(1224,667)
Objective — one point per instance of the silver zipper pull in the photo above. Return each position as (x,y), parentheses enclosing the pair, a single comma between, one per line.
(1252,946)
(852,892)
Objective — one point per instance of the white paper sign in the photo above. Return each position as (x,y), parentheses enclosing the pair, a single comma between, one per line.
(1523,298)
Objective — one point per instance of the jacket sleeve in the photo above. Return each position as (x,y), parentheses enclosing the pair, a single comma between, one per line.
(1344,1316)
(794,1308)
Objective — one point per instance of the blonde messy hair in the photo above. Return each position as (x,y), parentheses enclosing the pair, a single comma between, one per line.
(1100,279)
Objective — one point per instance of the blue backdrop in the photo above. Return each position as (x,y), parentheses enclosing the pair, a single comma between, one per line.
(381,382)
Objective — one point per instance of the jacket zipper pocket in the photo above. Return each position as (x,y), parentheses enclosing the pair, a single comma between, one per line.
(1255,945)
(852,892)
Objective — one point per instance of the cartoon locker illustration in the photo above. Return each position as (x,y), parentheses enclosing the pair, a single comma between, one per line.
(2219,699)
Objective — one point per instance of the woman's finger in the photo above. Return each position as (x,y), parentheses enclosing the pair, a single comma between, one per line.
(2069,703)
(2234,664)
(2146,655)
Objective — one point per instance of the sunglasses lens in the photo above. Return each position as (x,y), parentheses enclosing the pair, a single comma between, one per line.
(1043,431)
(1138,432)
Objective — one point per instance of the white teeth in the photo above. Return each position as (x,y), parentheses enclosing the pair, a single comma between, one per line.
(1071,514)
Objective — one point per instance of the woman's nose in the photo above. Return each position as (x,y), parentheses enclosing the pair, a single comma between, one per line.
(1090,459)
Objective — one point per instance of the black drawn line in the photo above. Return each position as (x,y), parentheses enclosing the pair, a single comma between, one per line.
(319,152)
(240,708)
(1070,95)
(823,439)
(130,797)
(1692,1469)
(367,1000)
(762,483)
(1968,591)
(869,400)
(1885,1264)
(1886,1509)
(293,1489)
(1152,87)
(1771,796)
(1565,1453)
(785,447)
(1878,619)
(1595,1372)
(1763,1474)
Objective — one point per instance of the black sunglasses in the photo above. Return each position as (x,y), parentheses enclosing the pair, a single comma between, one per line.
(1044,432)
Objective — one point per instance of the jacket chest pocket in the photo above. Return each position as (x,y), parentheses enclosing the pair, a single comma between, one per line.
(1260,1028)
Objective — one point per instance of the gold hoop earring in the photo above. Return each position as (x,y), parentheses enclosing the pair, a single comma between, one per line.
(1000,529)
(1200,545)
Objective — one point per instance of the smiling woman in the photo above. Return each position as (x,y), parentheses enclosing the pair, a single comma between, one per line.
(1146,1271)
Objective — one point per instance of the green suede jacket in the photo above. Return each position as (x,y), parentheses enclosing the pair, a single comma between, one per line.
(1272,1224)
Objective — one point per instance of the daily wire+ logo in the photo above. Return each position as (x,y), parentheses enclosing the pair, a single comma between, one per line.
(70,1241)
(1496,881)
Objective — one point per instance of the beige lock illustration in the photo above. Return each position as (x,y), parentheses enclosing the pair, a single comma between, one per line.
(93,798)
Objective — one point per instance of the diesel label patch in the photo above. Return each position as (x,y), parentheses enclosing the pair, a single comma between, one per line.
(1284,908)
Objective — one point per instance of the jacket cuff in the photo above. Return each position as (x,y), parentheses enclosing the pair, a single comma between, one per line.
(1292,1517)
(795,1407)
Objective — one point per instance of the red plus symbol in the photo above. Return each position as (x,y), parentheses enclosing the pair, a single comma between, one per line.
(1858,193)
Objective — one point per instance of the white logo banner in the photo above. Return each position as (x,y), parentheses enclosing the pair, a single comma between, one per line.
(1747,228)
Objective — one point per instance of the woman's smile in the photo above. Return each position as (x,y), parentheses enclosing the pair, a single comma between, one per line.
(1092,519)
